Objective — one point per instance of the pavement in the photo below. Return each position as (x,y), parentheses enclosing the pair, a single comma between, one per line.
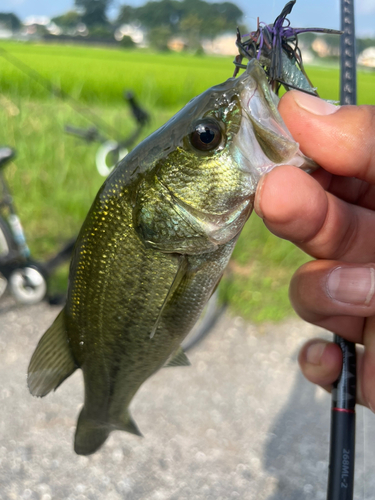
(240,423)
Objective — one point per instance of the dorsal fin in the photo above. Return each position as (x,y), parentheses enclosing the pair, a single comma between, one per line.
(52,361)
(178,358)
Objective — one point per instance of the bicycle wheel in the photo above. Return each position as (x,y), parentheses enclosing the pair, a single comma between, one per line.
(108,155)
(7,245)
(28,285)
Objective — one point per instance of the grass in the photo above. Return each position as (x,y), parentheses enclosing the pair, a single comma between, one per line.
(54,179)
(98,75)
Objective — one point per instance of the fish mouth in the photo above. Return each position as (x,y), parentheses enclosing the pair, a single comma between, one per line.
(264,141)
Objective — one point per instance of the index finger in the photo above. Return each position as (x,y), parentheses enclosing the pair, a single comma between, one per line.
(294,206)
(340,139)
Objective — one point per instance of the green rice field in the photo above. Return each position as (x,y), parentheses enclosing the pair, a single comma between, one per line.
(98,75)
(54,179)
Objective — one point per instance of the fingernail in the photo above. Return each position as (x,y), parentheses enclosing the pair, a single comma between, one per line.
(314,105)
(258,196)
(352,285)
(314,353)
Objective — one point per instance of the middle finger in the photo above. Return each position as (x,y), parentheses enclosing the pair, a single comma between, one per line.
(335,295)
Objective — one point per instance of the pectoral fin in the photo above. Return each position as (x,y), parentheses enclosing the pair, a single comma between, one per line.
(178,358)
(182,266)
(52,361)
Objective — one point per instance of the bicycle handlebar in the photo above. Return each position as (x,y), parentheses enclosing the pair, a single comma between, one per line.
(138,112)
(90,135)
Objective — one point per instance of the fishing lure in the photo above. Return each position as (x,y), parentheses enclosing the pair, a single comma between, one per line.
(275,46)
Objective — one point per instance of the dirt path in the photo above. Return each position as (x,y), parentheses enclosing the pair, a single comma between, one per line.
(241,422)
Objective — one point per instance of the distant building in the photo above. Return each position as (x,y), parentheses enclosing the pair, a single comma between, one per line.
(177,44)
(323,49)
(223,45)
(132,30)
(37,20)
(38,25)
(367,57)
(307,56)
(79,30)
(5,32)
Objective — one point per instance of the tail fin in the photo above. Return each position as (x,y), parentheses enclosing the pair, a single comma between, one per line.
(89,435)
(52,361)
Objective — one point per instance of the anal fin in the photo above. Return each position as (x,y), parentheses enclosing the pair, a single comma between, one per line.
(127,424)
(52,361)
(178,358)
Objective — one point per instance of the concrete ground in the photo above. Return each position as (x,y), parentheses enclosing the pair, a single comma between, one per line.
(241,422)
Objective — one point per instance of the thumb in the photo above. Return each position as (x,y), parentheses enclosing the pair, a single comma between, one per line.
(339,139)
(321,363)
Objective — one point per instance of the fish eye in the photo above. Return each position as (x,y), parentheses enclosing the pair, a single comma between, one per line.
(206,135)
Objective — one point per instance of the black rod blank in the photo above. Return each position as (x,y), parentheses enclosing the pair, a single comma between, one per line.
(342,441)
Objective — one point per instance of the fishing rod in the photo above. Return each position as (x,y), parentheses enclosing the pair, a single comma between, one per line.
(276,48)
(342,440)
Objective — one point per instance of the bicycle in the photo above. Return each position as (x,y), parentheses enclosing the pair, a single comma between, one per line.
(26,278)
(111,152)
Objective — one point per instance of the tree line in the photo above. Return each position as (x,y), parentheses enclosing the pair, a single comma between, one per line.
(206,19)
(160,19)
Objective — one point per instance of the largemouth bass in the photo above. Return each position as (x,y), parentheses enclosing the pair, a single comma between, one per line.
(154,246)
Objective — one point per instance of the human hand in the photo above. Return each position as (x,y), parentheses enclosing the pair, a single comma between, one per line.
(331,216)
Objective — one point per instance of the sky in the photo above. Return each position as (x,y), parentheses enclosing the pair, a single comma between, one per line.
(306,13)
